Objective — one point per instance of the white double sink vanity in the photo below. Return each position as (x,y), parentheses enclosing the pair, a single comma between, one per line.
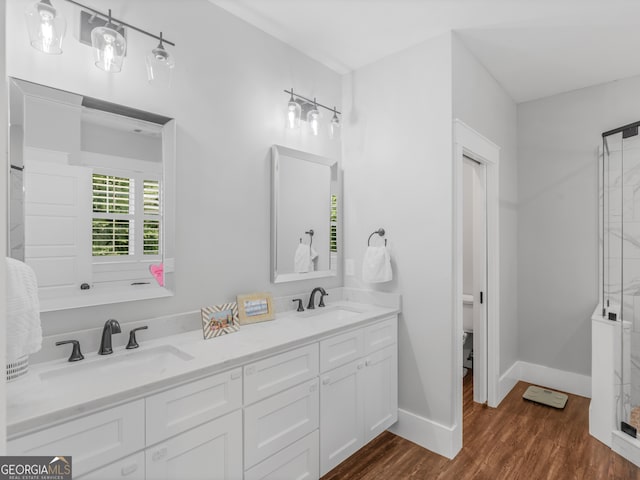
(289,398)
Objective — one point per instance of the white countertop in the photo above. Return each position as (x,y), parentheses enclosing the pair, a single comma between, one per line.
(34,402)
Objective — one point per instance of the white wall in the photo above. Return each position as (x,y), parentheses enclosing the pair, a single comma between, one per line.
(3,227)
(397,150)
(480,102)
(228,101)
(557,239)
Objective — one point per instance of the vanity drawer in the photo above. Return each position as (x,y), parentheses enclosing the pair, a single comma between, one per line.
(277,373)
(129,468)
(210,451)
(341,349)
(299,460)
(381,335)
(93,441)
(278,421)
(181,408)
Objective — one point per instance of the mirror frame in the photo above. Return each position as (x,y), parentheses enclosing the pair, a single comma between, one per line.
(115,295)
(276,152)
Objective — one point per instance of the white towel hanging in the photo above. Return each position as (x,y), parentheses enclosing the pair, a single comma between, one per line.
(24,331)
(303,258)
(376,265)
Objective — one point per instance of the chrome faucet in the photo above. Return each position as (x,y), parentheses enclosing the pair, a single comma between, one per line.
(312,297)
(110,327)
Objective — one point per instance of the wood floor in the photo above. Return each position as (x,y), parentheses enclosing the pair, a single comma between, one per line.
(517,440)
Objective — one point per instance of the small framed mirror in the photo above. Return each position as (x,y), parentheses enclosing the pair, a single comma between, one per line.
(305,204)
(91,197)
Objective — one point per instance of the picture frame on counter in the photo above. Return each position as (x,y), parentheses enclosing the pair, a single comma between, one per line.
(219,320)
(255,307)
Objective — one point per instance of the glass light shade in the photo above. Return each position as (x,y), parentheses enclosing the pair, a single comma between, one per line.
(159,66)
(109,47)
(46,27)
(334,127)
(313,118)
(294,111)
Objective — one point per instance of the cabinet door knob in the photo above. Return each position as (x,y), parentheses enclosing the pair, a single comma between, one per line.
(360,366)
(326,381)
(367,362)
(159,454)
(235,375)
(129,469)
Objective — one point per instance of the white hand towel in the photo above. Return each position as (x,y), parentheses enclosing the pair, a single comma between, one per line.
(303,259)
(376,265)
(24,332)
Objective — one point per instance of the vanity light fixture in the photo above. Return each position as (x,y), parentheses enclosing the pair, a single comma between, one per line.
(46,27)
(313,119)
(105,34)
(109,47)
(300,107)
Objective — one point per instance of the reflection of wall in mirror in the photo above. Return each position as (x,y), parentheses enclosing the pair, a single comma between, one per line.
(304,197)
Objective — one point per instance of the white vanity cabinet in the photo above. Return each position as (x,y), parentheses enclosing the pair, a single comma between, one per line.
(210,451)
(358,399)
(296,413)
(129,468)
(189,431)
(281,412)
(199,437)
(93,441)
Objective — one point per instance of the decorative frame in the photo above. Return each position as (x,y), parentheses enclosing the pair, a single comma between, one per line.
(255,307)
(219,320)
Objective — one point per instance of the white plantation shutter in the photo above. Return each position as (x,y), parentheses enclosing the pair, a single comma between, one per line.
(125,208)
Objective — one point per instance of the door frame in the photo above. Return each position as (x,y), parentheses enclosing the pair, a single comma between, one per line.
(472,144)
(479,277)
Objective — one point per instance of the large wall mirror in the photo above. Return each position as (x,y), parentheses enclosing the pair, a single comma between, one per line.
(304,219)
(91,197)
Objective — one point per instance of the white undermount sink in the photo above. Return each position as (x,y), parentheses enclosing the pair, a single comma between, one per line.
(337,312)
(143,362)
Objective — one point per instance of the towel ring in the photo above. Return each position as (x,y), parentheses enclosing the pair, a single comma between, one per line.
(310,232)
(380,232)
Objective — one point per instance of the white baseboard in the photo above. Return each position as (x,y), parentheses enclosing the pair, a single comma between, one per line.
(442,439)
(426,433)
(508,380)
(562,380)
(626,446)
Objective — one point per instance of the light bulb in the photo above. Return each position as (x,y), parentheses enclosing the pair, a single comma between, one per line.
(46,27)
(293,113)
(313,118)
(108,55)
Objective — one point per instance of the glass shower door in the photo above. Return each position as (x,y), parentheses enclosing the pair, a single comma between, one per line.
(620,256)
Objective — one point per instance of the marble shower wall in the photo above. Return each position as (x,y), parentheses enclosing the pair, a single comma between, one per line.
(622,260)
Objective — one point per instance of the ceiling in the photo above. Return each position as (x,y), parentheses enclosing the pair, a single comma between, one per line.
(534,48)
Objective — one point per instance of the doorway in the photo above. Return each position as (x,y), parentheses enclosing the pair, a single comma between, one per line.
(486,322)
(474,276)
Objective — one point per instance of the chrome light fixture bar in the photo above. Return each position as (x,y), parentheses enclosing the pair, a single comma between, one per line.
(104,33)
(309,101)
(120,22)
